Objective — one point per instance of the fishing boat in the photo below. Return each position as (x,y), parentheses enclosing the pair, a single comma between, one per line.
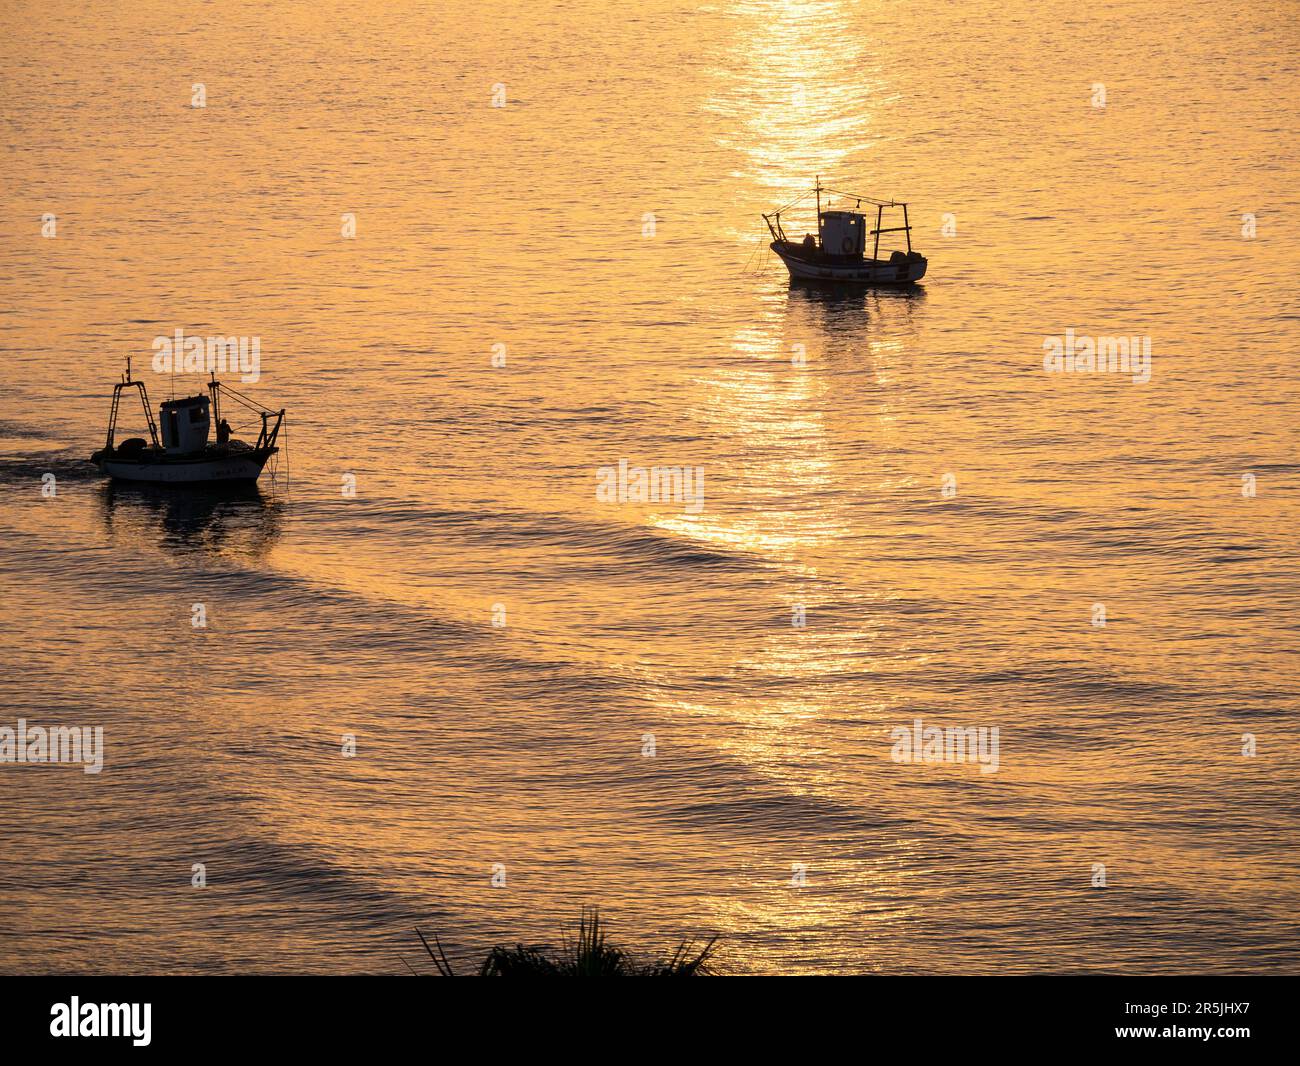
(184,454)
(838,252)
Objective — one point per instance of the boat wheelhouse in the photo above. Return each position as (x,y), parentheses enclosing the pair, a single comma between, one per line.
(838,251)
(182,452)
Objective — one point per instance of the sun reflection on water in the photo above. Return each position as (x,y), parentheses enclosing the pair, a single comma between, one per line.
(800,91)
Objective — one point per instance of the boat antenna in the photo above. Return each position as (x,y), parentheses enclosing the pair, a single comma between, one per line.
(819,204)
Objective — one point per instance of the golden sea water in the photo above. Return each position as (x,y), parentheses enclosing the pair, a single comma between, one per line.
(601,230)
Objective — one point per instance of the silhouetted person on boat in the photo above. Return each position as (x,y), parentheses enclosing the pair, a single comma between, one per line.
(809,241)
(223,432)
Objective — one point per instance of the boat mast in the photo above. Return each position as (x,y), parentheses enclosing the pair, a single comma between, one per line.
(214,387)
(144,402)
(818,188)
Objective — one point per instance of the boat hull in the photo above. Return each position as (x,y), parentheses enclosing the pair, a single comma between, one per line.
(862,272)
(229,469)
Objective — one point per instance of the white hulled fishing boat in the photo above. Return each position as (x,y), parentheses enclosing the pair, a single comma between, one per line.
(183,453)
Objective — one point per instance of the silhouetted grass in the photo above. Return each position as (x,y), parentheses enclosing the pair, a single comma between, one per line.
(586,954)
